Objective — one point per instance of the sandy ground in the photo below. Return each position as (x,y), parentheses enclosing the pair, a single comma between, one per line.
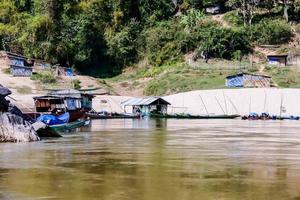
(227,101)
(237,101)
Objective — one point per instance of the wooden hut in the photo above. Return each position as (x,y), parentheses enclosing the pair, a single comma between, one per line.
(147,105)
(248,80)
(16,70)
(40,65)
(279,60)
(18,64)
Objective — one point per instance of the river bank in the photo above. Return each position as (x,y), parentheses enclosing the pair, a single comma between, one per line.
(229,101)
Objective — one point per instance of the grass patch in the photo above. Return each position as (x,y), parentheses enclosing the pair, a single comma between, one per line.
(233,18)
(76,84)
(6,70)
(180,77)
(24,90)
(44,77)
(284,77)
(187,79)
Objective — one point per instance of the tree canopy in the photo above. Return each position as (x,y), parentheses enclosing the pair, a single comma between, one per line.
(108,35)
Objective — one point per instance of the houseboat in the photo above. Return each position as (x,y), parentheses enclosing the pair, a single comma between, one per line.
(150,106)
(157,107)
(75,102)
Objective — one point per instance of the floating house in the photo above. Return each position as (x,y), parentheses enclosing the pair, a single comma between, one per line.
(248,80)
(145,106)
(279,60)
(75,102)
(86,99)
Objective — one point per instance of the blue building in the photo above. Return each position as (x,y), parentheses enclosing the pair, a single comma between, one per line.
(279,60)
(248,80)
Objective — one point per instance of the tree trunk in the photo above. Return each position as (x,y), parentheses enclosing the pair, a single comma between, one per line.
(285,11)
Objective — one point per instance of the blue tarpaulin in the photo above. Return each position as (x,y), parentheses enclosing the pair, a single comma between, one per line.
(69,72)
(54,120)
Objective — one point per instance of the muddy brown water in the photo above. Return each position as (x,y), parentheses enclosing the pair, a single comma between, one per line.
(158,160)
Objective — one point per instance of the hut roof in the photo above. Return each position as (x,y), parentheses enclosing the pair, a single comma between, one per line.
(47,97)
(4,91)
(144,101)
(280,55)
(244,73)
(70,93)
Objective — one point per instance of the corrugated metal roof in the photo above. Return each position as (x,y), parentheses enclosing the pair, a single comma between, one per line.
(70,93)
(142,101)
(244,73)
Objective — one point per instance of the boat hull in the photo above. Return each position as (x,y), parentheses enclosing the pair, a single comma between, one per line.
(152,115)
(74,115)
(68,126)
(97,116)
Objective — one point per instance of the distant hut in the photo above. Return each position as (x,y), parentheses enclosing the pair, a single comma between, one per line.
(40,65)
(63,71)
(248,80)
(16,70)
(279,60)
(147,105)
(18,64)
(293,59)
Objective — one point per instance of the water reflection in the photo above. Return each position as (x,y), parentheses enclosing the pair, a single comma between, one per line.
(158,159)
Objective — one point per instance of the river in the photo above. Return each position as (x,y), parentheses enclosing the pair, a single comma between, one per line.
(158,160)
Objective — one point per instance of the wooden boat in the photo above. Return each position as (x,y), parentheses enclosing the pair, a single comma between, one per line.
(94,115)
(68,126)
(187,116)
(48,132)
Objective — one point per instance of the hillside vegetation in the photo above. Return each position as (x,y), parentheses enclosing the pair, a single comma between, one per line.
(104,37)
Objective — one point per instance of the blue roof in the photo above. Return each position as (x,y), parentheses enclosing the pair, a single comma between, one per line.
(244,73)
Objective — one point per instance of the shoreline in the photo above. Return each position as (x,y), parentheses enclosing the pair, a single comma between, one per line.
(203,102)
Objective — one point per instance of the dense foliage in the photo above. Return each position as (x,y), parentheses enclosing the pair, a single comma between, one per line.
(105,36)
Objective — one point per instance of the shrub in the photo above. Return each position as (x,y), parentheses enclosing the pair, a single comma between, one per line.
(191,19)
(156,87)
(271,32)
(44,77)
(219,42)
(6,70)
(233,18)
(162,43)
(76,84)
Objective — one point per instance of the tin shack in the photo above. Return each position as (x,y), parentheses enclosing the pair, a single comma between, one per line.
(279,60)
(248,80)
(18,64)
